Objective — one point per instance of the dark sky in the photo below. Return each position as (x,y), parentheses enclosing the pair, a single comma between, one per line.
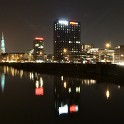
(23,20)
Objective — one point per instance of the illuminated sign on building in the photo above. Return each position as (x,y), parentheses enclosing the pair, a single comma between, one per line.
(73,23)
(39,38)
(63,22)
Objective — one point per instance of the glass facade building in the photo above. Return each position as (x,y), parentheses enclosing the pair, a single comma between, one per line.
(67,40)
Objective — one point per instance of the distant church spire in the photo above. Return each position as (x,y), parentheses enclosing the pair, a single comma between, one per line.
(2,44)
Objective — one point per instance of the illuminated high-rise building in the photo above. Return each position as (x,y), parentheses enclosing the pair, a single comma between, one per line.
(67,40)
(38,46)
(2,44)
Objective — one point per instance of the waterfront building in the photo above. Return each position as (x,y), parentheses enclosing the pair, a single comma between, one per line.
(119,54)
(87,47)
(106,55)
(67,40)
(95,53)
(2,50)
(38,47)
(89,54)
(50,58)
(12,57)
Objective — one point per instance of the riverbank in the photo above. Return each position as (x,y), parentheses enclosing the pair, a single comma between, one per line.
(67,68)
(102,72)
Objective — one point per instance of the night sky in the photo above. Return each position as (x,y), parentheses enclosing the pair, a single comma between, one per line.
(23,20)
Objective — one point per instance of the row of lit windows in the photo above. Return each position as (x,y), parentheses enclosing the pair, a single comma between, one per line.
(68,48)
(77,42)
(58,24)
(73,51)
(62,35)
(67,26)
(71,37)
(68,31)
(60,28)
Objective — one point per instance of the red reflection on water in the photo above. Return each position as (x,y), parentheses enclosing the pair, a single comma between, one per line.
(73,108)
(39,91)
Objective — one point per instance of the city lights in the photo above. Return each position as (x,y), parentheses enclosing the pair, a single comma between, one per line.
(74,23)
(73,108)
(107,93)
(62,62)
(67,48)
(63,22)
(63,109)
(39,38)
(108,45)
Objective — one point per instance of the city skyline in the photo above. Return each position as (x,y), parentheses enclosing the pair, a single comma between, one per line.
(23,20)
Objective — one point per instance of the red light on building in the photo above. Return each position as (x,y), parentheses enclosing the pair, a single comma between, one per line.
(73,23)
(39,91)
(39,38)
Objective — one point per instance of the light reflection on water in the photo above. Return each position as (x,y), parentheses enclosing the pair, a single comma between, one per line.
(32,97)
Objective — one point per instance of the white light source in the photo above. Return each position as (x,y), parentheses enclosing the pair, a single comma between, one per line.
(63,22)
(63,109)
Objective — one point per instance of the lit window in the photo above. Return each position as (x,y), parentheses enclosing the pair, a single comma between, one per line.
(36,44)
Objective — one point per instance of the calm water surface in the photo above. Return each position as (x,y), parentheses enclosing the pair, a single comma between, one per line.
(33,98)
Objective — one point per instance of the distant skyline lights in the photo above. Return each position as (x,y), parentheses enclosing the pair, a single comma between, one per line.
(65,22)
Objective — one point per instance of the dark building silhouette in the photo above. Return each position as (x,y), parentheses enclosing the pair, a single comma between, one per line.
(67,40)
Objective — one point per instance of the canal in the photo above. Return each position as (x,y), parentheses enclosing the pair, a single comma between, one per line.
(38,98)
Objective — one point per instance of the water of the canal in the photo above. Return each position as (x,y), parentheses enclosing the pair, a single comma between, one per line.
(33,98)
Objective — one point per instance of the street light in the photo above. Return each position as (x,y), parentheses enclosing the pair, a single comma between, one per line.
(108,45)
(122,55)
(107,93)
(66,54)
(65,50)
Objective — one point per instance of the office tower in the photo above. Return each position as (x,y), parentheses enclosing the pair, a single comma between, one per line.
(67,40)
(2,44)
(38,46)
